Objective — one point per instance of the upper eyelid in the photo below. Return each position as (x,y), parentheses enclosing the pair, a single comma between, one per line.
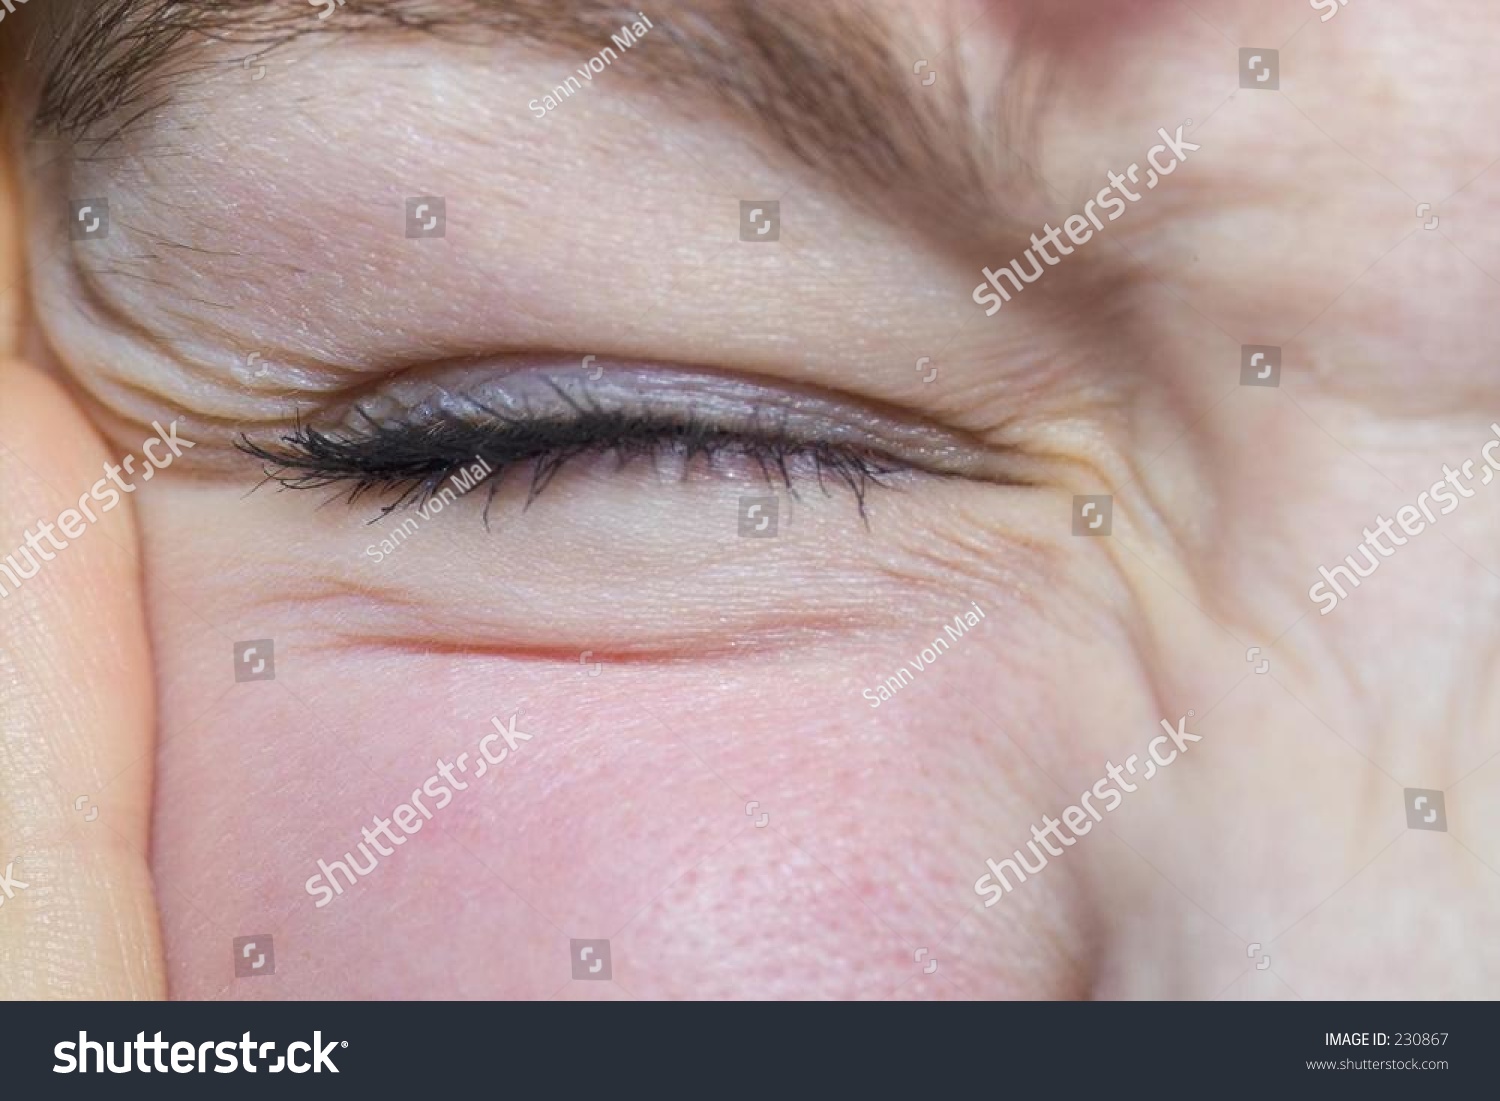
(413,440)
(707,395)
(413,461)
(414,431)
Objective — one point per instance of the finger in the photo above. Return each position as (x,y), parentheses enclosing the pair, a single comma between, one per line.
(77,916)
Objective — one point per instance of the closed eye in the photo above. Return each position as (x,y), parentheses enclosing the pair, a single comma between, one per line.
(542,422)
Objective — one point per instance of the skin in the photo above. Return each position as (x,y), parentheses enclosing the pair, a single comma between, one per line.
(732,668)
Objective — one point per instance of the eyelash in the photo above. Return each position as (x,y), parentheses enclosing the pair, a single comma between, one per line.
(412,460)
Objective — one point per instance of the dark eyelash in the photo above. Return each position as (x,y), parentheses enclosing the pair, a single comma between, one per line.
(414,459)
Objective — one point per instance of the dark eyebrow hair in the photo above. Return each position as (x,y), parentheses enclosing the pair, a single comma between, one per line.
(829,81)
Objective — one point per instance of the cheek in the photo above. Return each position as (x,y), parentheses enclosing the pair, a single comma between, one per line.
(754,828)
(733,821)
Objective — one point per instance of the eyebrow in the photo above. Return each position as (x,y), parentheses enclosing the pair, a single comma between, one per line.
(828,82)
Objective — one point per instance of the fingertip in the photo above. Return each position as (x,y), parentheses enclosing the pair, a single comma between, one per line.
(76,711)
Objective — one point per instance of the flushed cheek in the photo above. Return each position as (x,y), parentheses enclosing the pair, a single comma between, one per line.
(746,828)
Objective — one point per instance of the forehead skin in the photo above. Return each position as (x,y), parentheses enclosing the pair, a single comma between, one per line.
(321,155)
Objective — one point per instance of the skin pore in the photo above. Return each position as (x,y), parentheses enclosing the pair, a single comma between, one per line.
(660,675)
